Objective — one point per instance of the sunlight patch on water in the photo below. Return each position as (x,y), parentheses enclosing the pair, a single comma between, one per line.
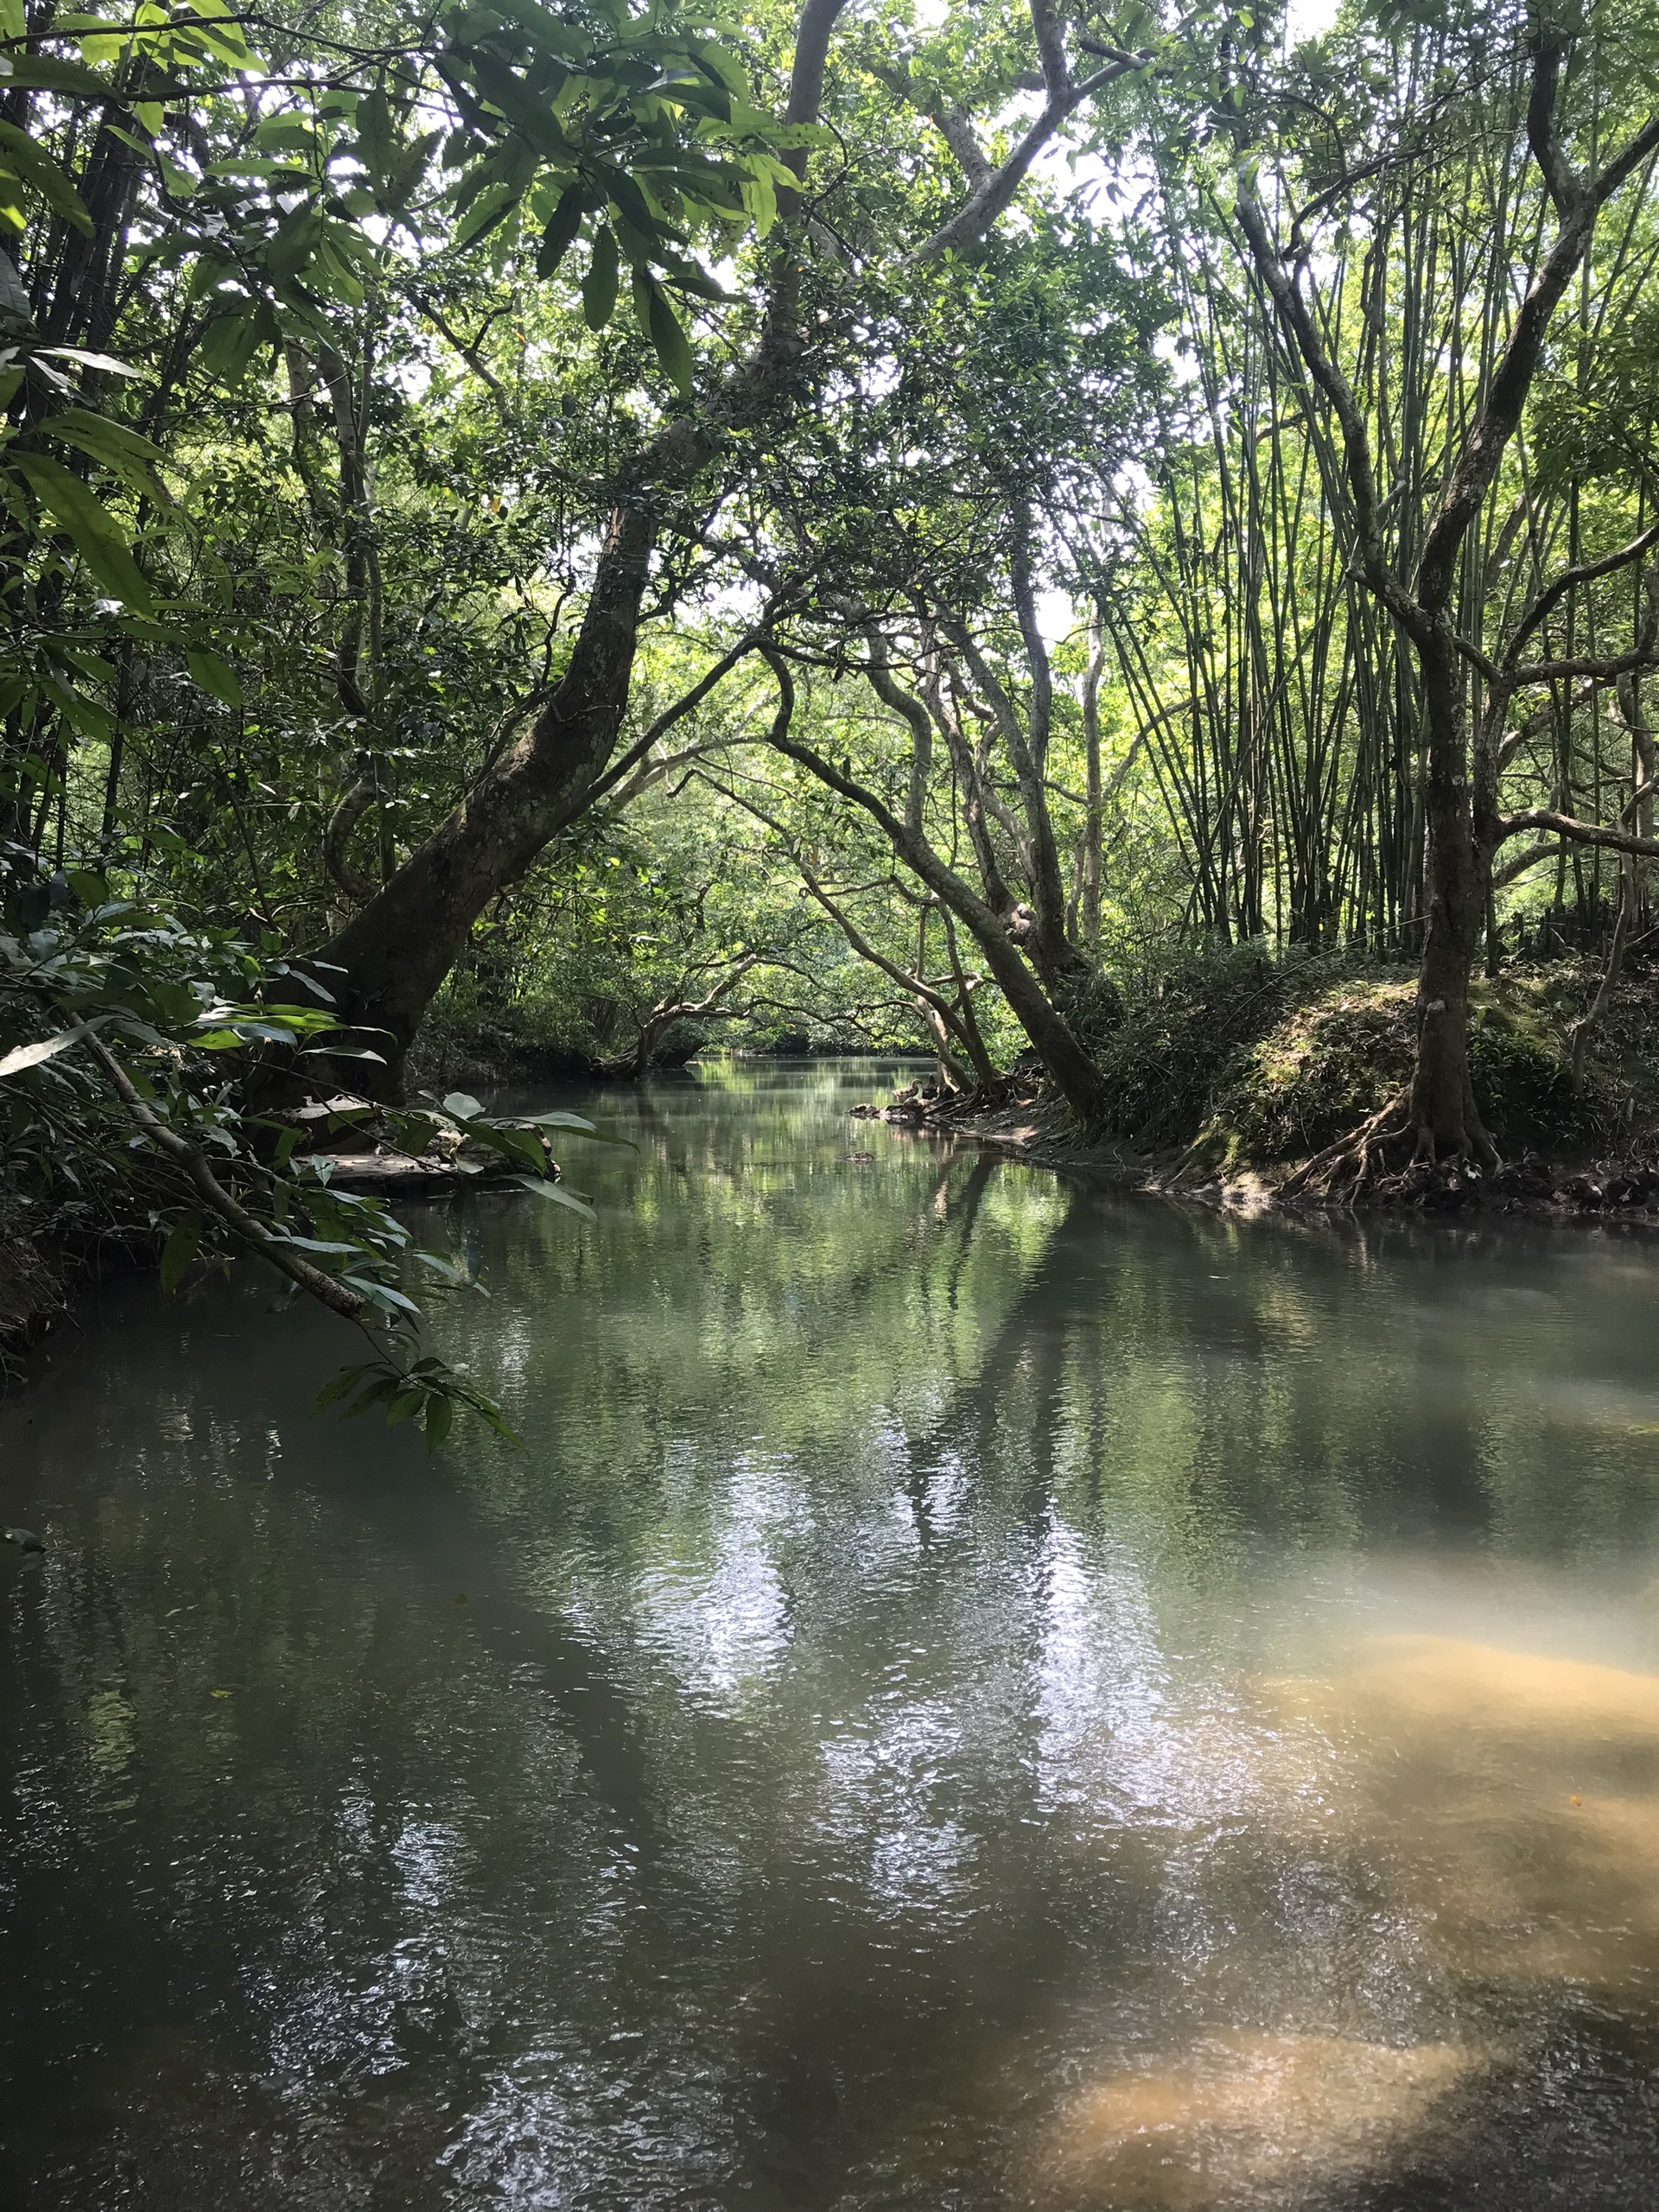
(1240,2115)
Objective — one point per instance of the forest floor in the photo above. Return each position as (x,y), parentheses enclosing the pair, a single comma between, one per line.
(1232,1073)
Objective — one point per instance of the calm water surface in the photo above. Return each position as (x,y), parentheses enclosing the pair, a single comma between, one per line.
(977,1693)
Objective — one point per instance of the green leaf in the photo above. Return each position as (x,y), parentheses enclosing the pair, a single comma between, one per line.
(544,1188)
(98,537)
(30,1055)
(229,345)
(213,675)
(377,136)
(42,72)
(562,225)
(625,195)
(599,285)
(105,363)
(673,349)
(490,208)
(462,1105)
(19,153)
(513,1144)
(178,1250)
(532,117)
(341,1385)
(384,1387)
(123,450)
(578,1127)
(438,1418)
(544,28)
(298,236)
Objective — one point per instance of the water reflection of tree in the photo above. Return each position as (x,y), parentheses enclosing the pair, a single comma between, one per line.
(843,1724)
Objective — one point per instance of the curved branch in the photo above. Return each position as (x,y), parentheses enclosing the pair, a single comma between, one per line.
(354,804)
(1587,572)
(1576,832)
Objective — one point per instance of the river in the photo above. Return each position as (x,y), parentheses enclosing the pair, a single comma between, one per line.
(978,1691)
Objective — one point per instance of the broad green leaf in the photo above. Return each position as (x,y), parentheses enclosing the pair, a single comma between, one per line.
(577,1127)
(462,1105)
(490,208)
(213,675)
(513,1144)
(298,236)
(98,537)
(179,1249)
(564,223)
(673,349)
(105,363)
(31,1056)
(45,72)
(545,1189)
(341,1385)
(230,345)
(544,28)
(630,200)
(19,153)
(131,456)
(599,286)
(519,105)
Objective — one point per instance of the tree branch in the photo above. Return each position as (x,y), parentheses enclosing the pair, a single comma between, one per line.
(186,1156)
(1576,832)
(1587,572)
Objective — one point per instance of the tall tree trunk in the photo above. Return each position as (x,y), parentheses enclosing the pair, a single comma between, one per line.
(1442,1100)
(1092,815)
(1075,1075)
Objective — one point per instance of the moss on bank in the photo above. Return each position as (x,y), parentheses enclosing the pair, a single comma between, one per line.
(1252,1062)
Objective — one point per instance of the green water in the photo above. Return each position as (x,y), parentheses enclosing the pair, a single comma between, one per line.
(978,1692)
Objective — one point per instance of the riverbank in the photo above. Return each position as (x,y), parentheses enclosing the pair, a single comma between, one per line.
(1230,1075)
(32,1290)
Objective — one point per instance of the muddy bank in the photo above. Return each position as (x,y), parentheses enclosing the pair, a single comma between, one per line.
(1039,1130)
(1231,1069)
(32,1291)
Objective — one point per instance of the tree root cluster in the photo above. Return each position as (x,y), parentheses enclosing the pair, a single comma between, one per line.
(1388,1162)
(935,1104)
(1384,1165)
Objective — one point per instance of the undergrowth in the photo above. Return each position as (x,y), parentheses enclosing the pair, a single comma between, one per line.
(1251,1060)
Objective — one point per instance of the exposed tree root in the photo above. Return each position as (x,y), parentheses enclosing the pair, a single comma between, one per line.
(1340,1173)
(1346,1171)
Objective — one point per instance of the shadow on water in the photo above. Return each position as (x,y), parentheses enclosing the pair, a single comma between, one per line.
(978,1692)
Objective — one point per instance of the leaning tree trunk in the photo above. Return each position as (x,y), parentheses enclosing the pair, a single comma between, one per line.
(389,959)
(387,962)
